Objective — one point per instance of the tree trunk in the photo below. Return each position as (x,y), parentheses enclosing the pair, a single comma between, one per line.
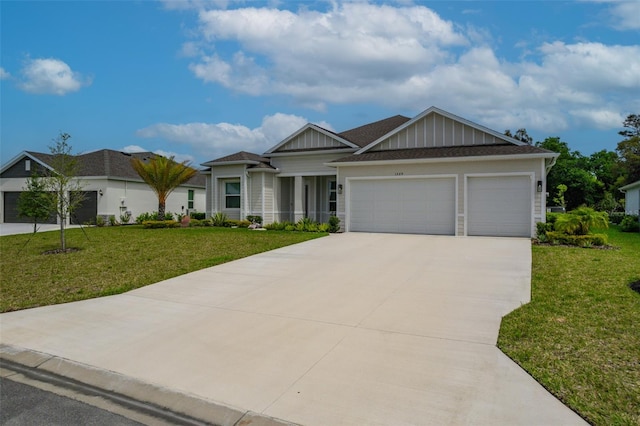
(161,207)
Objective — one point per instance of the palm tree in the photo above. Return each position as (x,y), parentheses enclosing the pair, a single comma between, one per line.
(581,220)
(163,175)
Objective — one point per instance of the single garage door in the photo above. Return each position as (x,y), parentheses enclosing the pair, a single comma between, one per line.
(406,206)
(11,210)
(499,206)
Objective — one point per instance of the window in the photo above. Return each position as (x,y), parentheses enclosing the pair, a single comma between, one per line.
(333,197)
(27,165)
(190,199)
(232,195)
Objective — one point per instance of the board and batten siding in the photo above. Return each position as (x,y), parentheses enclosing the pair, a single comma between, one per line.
(310,139)
(220,175)
(434,131)
(534,166)
(268,207)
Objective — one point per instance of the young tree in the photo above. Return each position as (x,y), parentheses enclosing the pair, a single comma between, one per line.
(63,184)
(163,175)
(521,135)
(35,202)
(629,149)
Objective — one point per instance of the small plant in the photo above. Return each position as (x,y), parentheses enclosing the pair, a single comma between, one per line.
(197,215)
(219,219)
(156,224)
(334,224)
(143,217)
(581,220)
(112,220)
(255,219)
(100,221)
(125,218)
(289,228)
(323,227)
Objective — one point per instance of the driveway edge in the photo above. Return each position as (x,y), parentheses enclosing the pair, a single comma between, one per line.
(156,401)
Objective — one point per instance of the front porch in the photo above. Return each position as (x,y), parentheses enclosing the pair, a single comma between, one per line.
(313,197)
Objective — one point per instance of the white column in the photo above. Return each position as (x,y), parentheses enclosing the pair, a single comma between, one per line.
(298,198)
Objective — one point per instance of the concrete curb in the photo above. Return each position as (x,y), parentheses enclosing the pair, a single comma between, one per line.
(156,401)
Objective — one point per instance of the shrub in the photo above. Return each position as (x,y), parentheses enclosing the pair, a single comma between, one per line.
(552,217)
(630,224)
(255,219)
(146,216)
(580,221)
(616,217)
(112,220)
(155,224)
(196,223)
(238,223)
(323,227)
(219,219)
(100,221)
(289,228)
(334,224)
(542,228)
(555,237)
(197,215)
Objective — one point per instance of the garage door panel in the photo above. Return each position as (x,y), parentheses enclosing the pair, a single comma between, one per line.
(499,206)
(425,205)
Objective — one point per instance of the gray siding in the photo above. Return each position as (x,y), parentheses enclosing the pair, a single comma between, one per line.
(435,130)
(311,139)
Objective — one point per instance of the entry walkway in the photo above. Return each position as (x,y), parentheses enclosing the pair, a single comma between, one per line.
(350,329)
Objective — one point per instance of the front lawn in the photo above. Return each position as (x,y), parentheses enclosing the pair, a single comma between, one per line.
(117,259)
(580,335)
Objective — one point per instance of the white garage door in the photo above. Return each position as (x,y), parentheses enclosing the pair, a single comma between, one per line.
(499,206)
(407,206)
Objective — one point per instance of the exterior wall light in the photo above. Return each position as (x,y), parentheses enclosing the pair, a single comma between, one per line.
(101,193)
(539,187)
(339,188)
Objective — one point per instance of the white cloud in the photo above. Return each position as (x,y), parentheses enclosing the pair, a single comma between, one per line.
(626,15)
(4,74)
(408,58)
(133,148)
(51,76)
(213,140)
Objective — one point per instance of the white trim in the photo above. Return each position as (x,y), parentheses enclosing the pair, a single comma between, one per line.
(214,163)
(632,185)
(307,174)
(439,160)
(347,192)
(532,177)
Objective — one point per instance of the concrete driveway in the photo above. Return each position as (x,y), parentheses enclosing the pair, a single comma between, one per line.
(350,329)
(27,228)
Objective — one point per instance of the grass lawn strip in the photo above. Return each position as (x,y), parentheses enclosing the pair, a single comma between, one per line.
(114,260)
(580,335)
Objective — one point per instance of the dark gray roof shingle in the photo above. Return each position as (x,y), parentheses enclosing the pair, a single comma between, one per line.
(444,152)
(364,135)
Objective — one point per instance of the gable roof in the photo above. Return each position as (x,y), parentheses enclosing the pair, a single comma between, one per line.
(253,161)
(104,162)
(450,152)
(630,186)
(308,126)
(453,117)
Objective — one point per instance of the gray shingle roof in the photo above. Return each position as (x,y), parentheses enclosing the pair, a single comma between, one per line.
(364,135)
(241,156)
(444,152)
(112,164)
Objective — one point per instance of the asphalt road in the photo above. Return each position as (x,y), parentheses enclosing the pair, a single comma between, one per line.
(21,404)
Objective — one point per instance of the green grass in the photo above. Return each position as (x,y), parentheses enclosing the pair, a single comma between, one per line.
(580,335)
(117,259)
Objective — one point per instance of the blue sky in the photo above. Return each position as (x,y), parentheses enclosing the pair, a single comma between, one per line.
(202,79)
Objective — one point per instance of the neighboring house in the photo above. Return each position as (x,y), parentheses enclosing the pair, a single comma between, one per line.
(111,185)
(632,197)
(435,173)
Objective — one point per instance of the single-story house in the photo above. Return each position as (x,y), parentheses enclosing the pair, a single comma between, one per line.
(632,197)
(435,173)
(112,187)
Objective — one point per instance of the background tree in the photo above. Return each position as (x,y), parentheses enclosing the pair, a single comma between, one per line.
(163,175)
(629,149)
(61,181)
(521,135)
(34,201)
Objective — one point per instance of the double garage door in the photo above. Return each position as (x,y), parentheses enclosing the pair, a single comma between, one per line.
(496,206)
(85,213)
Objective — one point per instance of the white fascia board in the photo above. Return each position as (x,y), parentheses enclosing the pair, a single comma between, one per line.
(314,152)
(630,186)
(229,163)
(306,174)
(442,160)
(271,151)
(444,113)
(263,170)
(17,158)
